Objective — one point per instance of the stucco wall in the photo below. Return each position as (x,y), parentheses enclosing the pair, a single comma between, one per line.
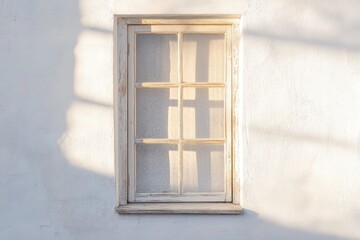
(301,167)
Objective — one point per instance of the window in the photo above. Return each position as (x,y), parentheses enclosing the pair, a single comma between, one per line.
(175,82)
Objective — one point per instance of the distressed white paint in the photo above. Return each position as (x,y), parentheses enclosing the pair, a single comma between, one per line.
(158,55)
(301,152)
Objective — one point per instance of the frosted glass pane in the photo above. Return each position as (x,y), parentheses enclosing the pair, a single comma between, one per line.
(203,113)
(156,58)
(157,114)
(203,167)
(156,168)
(203,56)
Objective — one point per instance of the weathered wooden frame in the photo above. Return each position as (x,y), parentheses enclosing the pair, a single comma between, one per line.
(180,196)
(121,24)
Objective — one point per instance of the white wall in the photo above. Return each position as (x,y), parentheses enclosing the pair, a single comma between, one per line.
(301,177)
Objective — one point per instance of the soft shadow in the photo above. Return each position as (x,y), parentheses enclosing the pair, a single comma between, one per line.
(44,196)
(247,226)
(337,26)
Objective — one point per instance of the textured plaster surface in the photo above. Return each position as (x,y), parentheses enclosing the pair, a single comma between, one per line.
(301,119)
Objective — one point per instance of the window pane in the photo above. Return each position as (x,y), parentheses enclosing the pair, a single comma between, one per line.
(157,114)
(156,168)
(203,56)
(203,167)
(203,113)
(156,58)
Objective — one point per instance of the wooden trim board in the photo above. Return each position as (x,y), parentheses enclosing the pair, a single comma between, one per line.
(180,208)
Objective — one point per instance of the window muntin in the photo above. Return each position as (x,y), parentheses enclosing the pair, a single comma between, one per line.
(179,113)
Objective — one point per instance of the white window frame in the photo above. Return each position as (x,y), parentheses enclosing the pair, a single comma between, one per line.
(123,89)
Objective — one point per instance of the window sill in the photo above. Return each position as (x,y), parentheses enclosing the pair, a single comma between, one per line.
(180,208)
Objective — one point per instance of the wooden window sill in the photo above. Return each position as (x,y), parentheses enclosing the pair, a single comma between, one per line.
(180,208)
